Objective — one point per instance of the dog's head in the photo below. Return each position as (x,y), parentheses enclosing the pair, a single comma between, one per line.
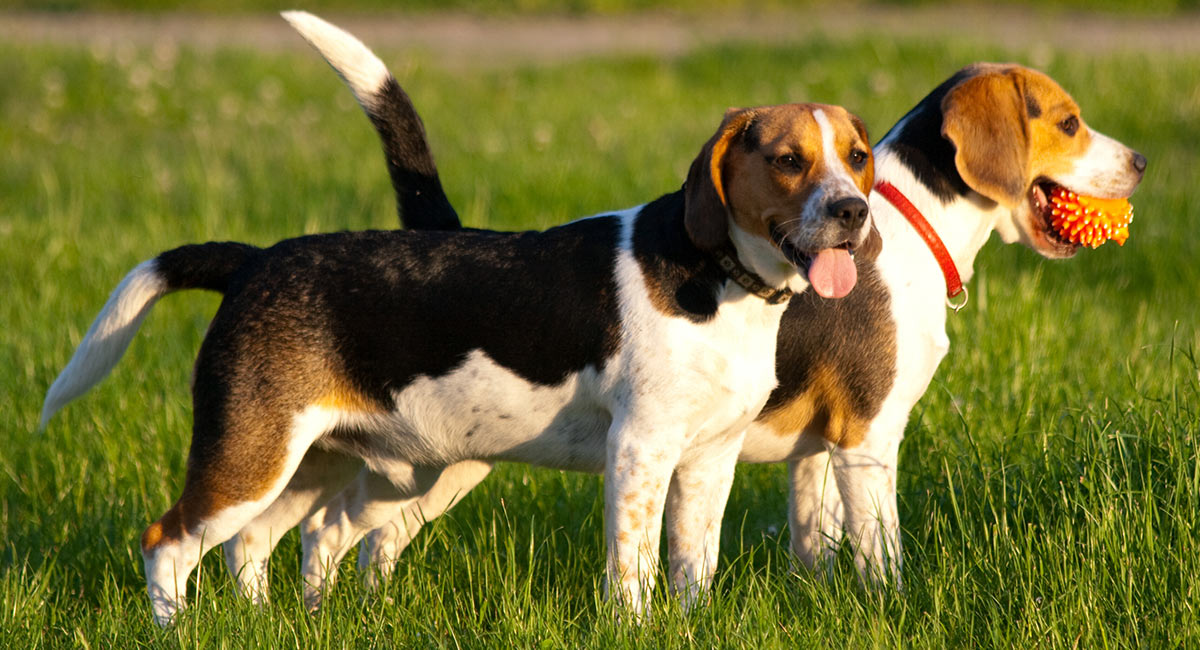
(787,186)
(1017,135)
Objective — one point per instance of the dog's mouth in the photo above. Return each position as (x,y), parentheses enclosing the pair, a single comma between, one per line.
(1046,238)
(830,271)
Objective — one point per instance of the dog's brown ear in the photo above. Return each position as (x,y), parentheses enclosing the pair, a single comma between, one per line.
(984,116)
(706,207)
(871,246)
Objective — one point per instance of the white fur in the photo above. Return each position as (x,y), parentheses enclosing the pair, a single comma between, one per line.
(356,64)
(842,184)
(169,565)
(765,259)
(318,479)
(108,337)
(1102,170)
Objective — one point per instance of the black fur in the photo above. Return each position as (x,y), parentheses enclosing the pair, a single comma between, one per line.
(854,335)
(1032,107)
(419,194)
(388,307)
(682,280)
(203,266)
(919,144)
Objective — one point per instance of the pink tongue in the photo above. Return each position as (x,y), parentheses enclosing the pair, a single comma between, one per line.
(832,273)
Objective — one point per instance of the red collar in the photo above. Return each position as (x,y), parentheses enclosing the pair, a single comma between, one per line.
(954,285)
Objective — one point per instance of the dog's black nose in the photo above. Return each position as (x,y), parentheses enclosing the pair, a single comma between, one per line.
(852,212)
(1139,162)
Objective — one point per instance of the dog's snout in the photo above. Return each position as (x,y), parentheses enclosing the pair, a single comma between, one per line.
(1139,162)
(851,212)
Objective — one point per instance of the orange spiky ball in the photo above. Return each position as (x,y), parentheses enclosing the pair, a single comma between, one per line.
(1088,220)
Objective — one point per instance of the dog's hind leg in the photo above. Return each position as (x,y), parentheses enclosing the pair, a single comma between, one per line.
(381,548)
(239,462)
(815,510)
(321,475)
(376,497)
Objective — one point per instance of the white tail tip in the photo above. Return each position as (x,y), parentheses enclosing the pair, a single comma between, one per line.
(354,62)
(107,338)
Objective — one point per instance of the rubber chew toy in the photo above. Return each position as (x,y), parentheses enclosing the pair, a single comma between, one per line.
(1088,220)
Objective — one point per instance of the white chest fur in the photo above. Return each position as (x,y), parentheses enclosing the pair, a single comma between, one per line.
(715,375)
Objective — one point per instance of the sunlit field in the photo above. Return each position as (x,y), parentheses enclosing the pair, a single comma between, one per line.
(1049,480)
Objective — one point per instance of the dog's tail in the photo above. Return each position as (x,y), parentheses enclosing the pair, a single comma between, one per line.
(197,266)
(419,196)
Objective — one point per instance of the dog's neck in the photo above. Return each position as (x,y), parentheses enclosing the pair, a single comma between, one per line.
(684,280)
(918,161)
(764,259)
(963,223)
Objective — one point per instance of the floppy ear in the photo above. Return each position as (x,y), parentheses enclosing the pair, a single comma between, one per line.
(871,246)
(706,208)
(984,117)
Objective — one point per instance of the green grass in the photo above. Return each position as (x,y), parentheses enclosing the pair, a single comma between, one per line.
(1049,486)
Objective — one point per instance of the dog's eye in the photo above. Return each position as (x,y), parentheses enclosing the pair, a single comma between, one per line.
(789,162)
(858,159)
(1069,125)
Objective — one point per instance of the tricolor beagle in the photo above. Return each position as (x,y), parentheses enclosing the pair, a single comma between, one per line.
(639,343)
(979,153)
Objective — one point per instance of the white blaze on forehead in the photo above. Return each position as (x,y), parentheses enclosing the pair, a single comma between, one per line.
(840,181)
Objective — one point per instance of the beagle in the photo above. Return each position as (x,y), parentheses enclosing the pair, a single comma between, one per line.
(980,153)
(639,344)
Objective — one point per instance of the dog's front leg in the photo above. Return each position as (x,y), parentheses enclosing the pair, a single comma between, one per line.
(641,459)
(695,507)
(815,511)
(866,478)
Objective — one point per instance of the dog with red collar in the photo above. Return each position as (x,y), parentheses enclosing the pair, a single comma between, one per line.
(639,344)
(981,153)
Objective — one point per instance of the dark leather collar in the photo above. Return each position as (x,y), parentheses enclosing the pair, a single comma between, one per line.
(726,258)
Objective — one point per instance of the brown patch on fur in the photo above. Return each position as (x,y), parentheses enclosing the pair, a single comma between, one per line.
(343,396)
(168,527)
(836,361)
(749,184)
(1052,151)
(761,188)
(244,417)
(825,409)
(984,117)
(1002,146)
(871,246)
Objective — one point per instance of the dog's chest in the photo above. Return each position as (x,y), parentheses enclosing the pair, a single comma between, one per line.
(715,375)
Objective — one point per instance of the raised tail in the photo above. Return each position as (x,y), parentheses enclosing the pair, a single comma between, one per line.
(419,196)
(197,266)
